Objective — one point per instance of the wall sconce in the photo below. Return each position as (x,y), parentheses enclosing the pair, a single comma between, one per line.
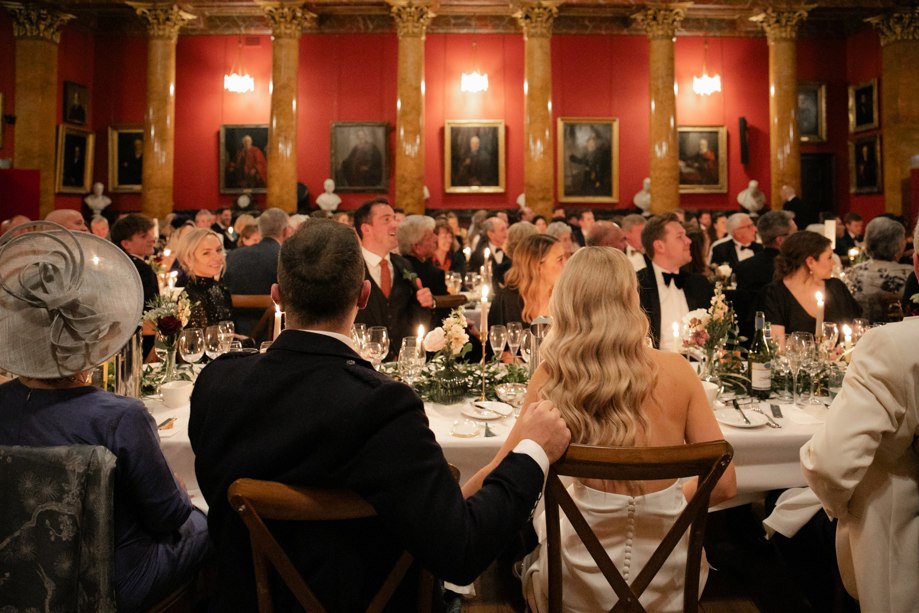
(475,81)
(706,85)
(238,80)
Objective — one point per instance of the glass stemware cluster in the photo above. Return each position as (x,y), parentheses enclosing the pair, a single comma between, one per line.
(371,342)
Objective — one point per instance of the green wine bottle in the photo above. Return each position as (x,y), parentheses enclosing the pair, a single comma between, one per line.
(759,359)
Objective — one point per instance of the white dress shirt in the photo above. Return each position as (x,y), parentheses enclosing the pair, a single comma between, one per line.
(636,257)
(673,307)
(373,265)
(496,252)
(743,254)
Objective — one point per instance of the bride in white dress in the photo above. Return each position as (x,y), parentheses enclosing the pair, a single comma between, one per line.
(613,390)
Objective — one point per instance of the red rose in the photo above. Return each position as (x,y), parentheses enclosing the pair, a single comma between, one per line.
(169,325)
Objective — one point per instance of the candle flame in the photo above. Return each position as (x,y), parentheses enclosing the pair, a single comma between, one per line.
(487,252)
(846,330)
(819,298)
(676,330)
(420,332)
(485,293)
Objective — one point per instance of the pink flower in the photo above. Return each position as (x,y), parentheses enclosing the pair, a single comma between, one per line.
(434,340)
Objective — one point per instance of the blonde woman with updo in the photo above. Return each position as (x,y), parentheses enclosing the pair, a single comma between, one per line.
(613,390)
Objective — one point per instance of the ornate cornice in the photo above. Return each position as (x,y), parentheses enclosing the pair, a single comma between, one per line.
(162,20)
(287,20)
(412,17)
(535,18)
(782,24)
(896,27)
(661,21)
(30,21)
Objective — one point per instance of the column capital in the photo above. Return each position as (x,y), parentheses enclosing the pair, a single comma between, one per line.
(535,18)
(31,21)
(782,24)
(896,27)
(288,19)
(163,20)
(412,17)
(661,21)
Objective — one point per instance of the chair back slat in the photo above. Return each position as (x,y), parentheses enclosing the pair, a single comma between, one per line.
(707,461)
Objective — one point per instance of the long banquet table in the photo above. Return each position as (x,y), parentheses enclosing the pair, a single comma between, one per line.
(765,458)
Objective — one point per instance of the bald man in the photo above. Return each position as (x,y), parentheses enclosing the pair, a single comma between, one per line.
(606,234)
(69,218)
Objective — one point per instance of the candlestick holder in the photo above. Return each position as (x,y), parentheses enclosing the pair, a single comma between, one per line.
(483,336)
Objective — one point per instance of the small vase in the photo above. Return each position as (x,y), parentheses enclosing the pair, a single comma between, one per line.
(166,346)
(708,369)
(448,386)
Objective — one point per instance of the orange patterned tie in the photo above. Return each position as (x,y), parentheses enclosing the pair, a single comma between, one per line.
(385,278)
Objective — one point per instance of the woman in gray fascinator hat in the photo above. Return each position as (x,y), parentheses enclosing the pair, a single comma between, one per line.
(68,302)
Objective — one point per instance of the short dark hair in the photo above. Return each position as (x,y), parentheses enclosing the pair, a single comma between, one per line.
(796,249)
(362,214)
(129,226)
(654,230)
(320,272)
(850,217)
(772,225)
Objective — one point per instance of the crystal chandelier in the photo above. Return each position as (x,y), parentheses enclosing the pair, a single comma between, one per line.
(238,81)
(706,85)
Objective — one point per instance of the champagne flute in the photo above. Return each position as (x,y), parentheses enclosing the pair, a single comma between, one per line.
(212,342)
(379,335)
(798,345)
(514,334)
(497,337)
(812,365)
(191,345)
(525,340)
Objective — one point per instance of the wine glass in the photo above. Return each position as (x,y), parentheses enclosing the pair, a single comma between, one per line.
(191,345)
(374,352)
(469,281)
(859,327)
(212,342)
(830,337)
(227,327)
(497,337)
(454,282)
(514,333)
(378,334)
(358,333)
(525,339)
(411,359)
(781,366)
(512,394)
(798,347)
(812,365)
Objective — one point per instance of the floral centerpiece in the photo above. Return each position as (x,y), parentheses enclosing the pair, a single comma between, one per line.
(723,274)
(449,342)
(168,315)
(712,333)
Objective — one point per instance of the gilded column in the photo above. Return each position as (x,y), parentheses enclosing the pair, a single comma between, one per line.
(163,24)
(412,18)
(899,103)
(287,21)
(661,24)
(38,32)
(535,19)
(781,28)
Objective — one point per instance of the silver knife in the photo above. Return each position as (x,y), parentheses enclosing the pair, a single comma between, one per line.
(742,414)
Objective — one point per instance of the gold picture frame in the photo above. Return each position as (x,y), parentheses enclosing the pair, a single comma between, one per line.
(125,158)
(863,106)
(588,159)
(811,112)
(703,154)
(74,161)
(243,159)
(474,156)
(865,165)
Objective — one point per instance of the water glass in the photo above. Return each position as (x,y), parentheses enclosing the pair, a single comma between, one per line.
(375,353)
(859,327)
(798,347)
(358,334)
(226,326)
(497,337)
(378,334)
(411,359)
(525,340)
(212,344)
(830,337)
(191,345)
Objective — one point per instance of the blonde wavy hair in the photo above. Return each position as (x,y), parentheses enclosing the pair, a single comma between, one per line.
(600,373)
(523,275)
(185,249)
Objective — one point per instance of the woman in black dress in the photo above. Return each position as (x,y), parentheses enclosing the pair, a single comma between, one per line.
(537,263)
(803,268)
(201,254)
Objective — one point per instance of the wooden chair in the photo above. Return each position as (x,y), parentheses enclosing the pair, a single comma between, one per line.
(256,301)
(707,461)
(256,501)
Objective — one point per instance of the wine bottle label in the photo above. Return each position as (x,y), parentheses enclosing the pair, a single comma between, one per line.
(761,375)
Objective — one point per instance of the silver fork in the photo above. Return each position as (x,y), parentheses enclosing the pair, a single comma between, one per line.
(769,421)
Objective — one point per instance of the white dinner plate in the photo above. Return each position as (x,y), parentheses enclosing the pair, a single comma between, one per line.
(465,429)
(731,417)
(493,405)
(481,414)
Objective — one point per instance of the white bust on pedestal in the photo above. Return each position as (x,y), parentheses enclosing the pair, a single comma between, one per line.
(751,199)
(328,201)
(97,201)
(643,198)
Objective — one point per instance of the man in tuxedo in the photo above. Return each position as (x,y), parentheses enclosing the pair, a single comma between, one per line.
(606,234)
(852,237)
(223,225)
(739,245)
(803,214)
(253,269)
(495,230)
(310,412)
(666,293)
(136,236)
(396,301)
(633,225)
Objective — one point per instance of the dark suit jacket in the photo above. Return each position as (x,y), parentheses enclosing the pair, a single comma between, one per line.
(725,253)
(696,287)
(477,260)
(251,270)
(401,313)
(311,412)
(804,215)
(753,275)
(151,289)
(844,243)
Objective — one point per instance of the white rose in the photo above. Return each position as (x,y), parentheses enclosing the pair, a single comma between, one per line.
(434,340)
(725,271)
(457,342)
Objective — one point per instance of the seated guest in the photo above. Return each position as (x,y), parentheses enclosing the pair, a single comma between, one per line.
(633,225)
(417,243)
(606,234)
(541,224)
(334,422)
(515,235)
(494,229)
(223,225)
(538,261)
(395,302)
(740,246)
(459,232)
(564,233)
(911,289)
(250,236)
(697,249)
(99,226)
(718,229)
(877,283)
(134,233)
(862,464)
(802,269)
(612,390)
(69,218)
(201,254)
(446,257)
(160,539)
(666,293)
(851,236)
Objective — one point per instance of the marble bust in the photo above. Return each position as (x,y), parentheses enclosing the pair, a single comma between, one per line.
(643,198)
(328,200)
(751,199)
(97,201)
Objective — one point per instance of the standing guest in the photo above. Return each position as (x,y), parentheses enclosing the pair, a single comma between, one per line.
(201,254)
(564,233)
(446,257)
(666,293)
(494,230)
(633,225)
(69,218)
(606,234)
(394,302)
(160,539)
(204,219)
(803,268)
(742,244)
(803,214)
(99,226)
(586,223)
(539,260)
(335,422)
(877,283)
(852,237)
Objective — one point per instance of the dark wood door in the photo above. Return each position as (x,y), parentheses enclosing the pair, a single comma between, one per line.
(818,181)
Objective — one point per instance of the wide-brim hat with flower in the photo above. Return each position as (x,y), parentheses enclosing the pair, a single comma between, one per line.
(68,301)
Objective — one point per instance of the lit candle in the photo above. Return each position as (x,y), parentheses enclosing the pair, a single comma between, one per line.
(483,328)
(467,252)
(277,320)
(487,253)
(172,279)
(167,252)
(847,336)
(420,335)
(819,331)
(853,254)
(676,337)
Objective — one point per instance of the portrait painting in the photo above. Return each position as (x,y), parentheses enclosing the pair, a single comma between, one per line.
(76,103)
(473,156)
(863,106)
(74,162)
(811,112)
(865,165)
(126,158)
(360,156)
(588,159)
(243,158)
(703,159)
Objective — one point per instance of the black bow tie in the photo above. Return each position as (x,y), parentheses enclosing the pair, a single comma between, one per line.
(747,247)
(676,277)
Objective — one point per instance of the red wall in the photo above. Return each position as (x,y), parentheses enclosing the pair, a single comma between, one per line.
(7,88)
(864,63)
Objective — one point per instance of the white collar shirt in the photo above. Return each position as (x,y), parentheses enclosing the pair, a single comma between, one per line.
(373,265)
(636,257)
(742,253)
(673,307)
(496,252)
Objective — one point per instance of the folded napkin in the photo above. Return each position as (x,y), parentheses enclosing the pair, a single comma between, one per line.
(800,416)
(794,508)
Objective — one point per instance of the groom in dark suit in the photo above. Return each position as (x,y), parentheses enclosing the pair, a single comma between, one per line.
(311,412)
(667,294)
